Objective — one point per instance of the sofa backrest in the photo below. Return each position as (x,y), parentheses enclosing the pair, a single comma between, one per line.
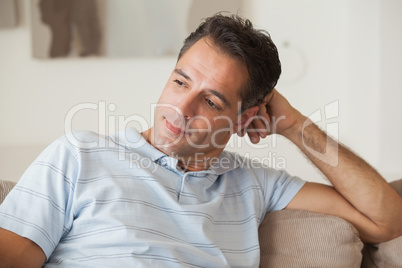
(5,187)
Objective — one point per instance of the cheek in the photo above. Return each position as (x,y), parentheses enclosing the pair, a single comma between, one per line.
(200,122)
(166,104)
(220,129)
(168,92)
(225,122)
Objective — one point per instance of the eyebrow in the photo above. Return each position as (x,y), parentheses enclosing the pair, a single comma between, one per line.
(220,96)
(212,91)
(182,73)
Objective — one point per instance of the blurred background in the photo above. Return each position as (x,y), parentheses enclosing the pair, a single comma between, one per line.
(341,59)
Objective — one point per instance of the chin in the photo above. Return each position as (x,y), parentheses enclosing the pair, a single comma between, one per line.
(178,151)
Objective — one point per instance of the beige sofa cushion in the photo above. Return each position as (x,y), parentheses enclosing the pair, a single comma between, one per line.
(388,254)
(296,238)
(5,187)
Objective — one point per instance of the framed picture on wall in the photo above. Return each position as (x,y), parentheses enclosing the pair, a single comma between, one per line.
(118,28)
(8,14)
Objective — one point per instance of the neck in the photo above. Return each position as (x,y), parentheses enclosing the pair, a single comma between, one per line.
(197,162)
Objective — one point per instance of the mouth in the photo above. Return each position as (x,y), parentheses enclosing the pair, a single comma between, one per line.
(175,130)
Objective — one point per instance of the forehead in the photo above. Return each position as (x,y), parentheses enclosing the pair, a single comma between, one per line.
(207,64)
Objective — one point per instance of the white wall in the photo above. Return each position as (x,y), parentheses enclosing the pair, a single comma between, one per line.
(389,122)
(36,95)
(334,50)
(351,53)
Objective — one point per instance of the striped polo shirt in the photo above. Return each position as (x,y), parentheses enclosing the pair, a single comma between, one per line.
(93,201)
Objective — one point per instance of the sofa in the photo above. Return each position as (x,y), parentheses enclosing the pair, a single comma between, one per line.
(296,238)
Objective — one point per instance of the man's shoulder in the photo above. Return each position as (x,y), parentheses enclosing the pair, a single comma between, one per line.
(244,161)
(124,144)
(83,139)
(86,139)
(248,165)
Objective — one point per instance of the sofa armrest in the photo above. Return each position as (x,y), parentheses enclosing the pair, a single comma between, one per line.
(297,238)
(387,254)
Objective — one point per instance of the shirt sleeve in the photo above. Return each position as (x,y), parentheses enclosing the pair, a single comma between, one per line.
(39,207)
(280,188)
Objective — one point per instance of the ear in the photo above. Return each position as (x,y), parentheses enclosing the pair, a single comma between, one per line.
(246,118)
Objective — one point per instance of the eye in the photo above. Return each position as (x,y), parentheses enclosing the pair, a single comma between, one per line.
(212,104)
(180,83)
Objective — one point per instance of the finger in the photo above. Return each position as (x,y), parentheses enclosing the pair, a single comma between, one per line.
(253,134)
(241,133)
(262,122)
(260,126)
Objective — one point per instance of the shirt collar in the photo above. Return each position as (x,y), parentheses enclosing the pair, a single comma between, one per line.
(132,140)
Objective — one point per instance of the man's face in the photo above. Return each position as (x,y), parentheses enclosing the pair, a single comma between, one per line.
(198,109)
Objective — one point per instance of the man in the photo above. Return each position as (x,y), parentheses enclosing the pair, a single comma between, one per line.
(171,196)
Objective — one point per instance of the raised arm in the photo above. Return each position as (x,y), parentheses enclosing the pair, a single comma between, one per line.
(360,195)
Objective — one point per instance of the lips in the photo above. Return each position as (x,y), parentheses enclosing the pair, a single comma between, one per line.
(175,130)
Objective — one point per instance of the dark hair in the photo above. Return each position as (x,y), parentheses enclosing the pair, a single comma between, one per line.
(236,37)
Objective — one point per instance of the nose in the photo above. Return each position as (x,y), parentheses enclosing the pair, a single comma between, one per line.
(187,105)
